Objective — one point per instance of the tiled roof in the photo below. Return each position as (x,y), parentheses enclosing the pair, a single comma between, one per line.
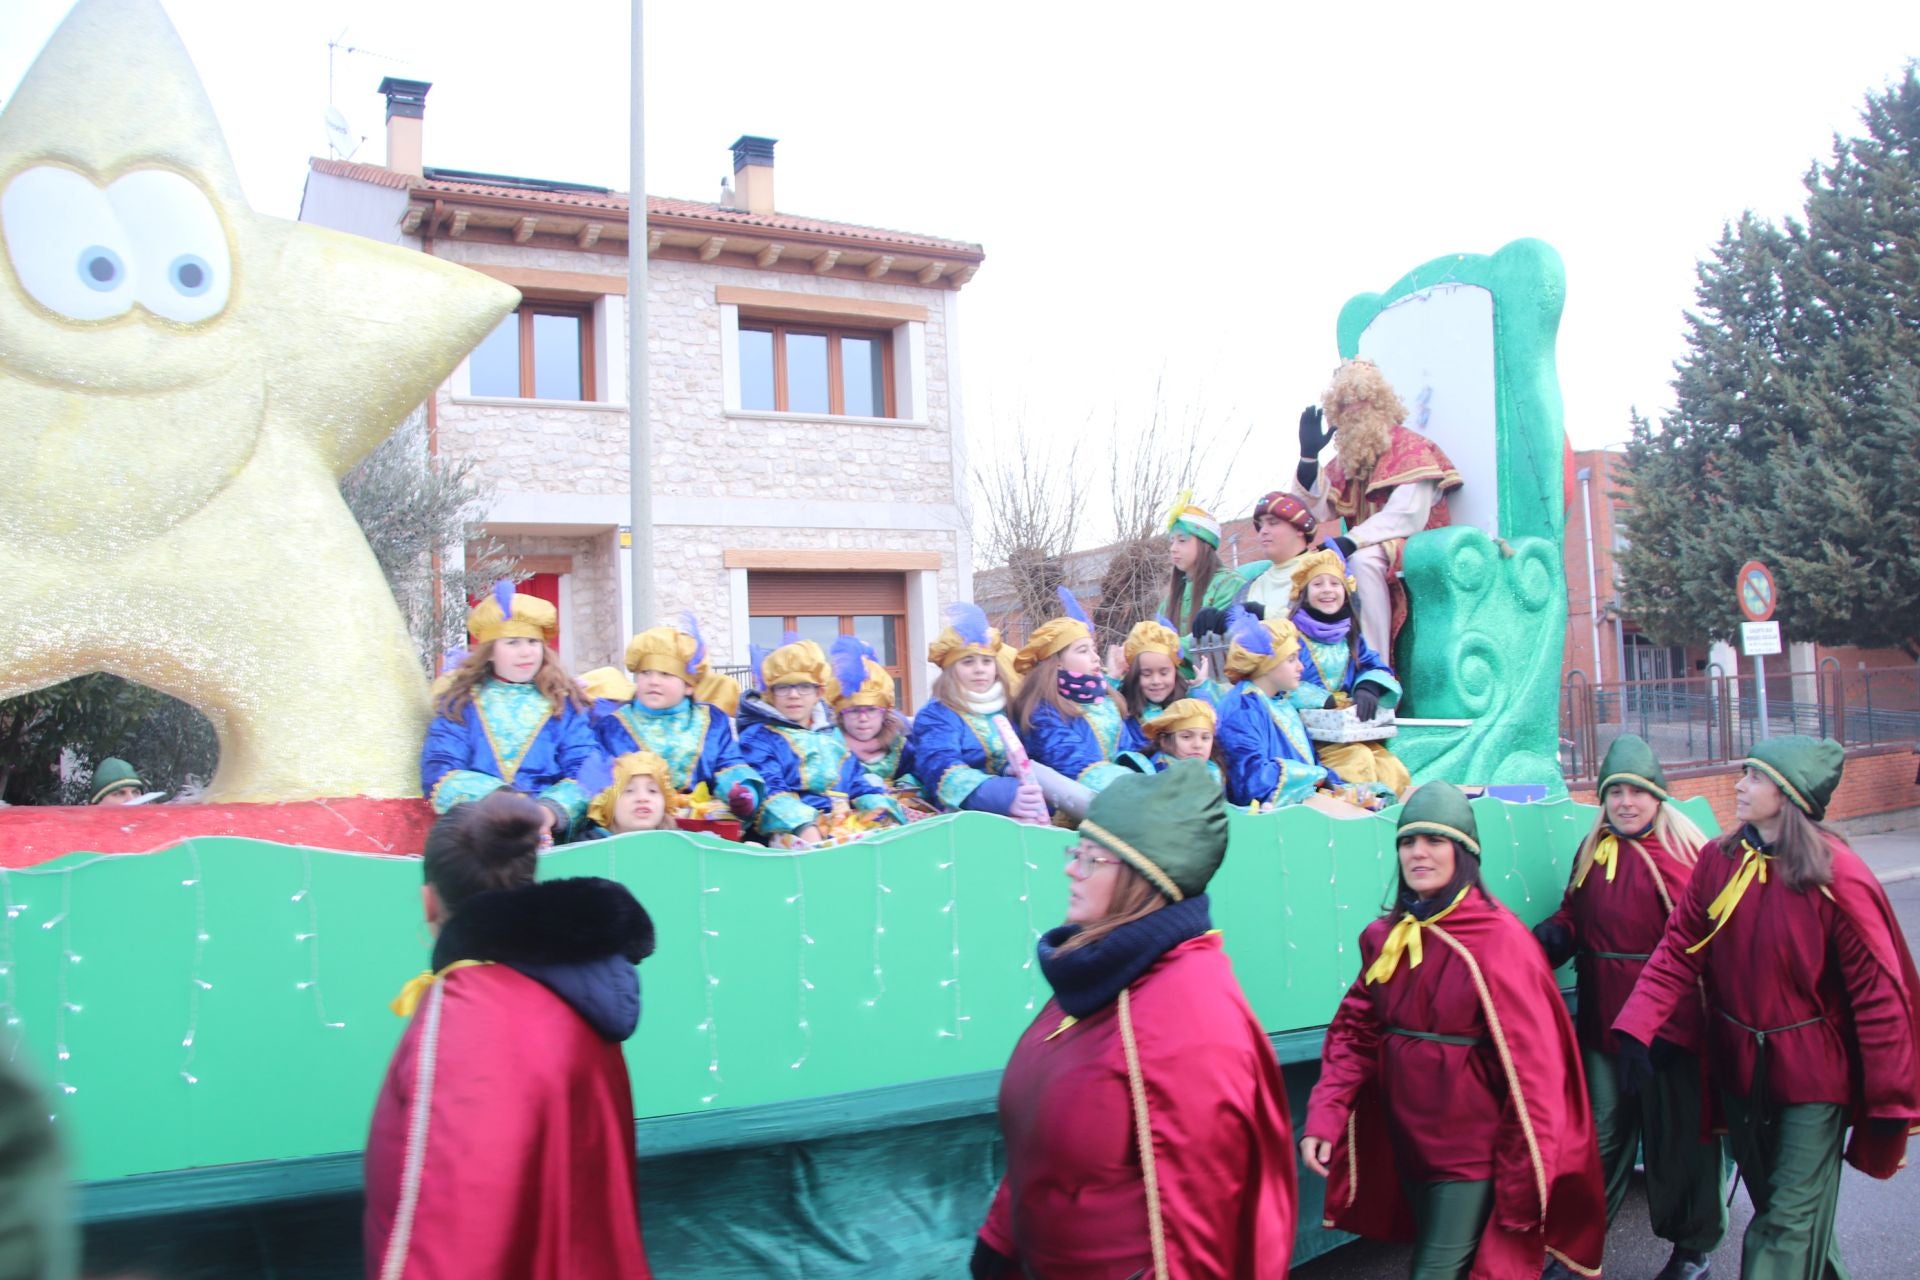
(585,199)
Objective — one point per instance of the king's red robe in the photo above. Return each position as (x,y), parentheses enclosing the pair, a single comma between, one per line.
(1409,459)
(1511,1107)
(502,1144)
(1830,964)
(1614,920)
(1073,1205)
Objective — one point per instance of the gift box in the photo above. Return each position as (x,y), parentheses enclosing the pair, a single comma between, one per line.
(1342,725)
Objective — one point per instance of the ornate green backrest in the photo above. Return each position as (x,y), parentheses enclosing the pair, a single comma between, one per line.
(1468,341)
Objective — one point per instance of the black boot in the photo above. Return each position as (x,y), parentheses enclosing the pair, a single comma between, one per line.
(1557,1270)
(1685,1264)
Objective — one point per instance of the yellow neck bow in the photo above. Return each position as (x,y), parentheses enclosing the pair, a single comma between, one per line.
(1406,937)
(1752,863)
(410,995)
(1606,853)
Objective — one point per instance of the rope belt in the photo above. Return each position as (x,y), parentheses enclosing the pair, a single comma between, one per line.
(1465,1042)
(1619,955)
(1757,1092)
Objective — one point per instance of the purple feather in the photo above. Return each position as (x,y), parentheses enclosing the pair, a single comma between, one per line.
(1072,607)
(789,637)
(850,654)
(1167,622)
(453,658)
(757,655)
(691,625)
(503,596)
(969,622)
(1245,630)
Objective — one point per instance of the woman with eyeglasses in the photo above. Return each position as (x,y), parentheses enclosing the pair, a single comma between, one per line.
(1145,1119)
(1814,1022)
(1450,1109)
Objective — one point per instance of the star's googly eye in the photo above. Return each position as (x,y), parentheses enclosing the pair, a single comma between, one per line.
(101,268)
(190,275)
(67,248)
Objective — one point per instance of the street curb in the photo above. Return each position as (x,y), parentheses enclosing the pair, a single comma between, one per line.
(1895,875)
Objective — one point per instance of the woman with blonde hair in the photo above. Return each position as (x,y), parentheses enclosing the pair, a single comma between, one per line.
(1814,1006)
(1067,714)
(511,716)
(1631,869)
(1145,1118)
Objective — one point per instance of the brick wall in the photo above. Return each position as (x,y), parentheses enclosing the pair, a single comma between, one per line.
(1875,780)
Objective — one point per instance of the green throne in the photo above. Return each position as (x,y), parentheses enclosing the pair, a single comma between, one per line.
(1468,342)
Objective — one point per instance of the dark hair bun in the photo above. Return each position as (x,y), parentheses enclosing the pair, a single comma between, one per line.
(507,826)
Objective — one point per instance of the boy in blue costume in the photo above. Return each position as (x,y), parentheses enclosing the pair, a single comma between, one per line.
(512,717)
(1341,669)
(1069,718)
(1270,759)
(694,737)
(787,735)
(956,749)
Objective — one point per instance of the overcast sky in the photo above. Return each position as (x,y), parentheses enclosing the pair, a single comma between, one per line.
(1184,194)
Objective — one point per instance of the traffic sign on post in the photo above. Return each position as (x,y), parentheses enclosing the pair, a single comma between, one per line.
(1759,636)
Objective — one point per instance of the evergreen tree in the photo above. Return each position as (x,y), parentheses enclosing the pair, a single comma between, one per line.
(1795,437)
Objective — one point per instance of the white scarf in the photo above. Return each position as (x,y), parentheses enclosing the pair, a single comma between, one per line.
(990,703)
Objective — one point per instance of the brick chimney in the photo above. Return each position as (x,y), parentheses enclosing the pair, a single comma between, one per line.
(753,173)
(406,112)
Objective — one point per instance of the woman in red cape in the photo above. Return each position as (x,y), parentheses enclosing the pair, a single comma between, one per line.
(1815,1006)
(502,1144)
(1451,1110)
(1631,870)
(1144,1114)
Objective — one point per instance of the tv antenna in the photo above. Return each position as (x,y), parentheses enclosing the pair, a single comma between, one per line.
(340,136)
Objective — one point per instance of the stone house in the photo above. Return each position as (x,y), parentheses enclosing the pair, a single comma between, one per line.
(808,440)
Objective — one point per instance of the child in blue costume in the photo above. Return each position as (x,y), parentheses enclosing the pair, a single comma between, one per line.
(1184,730)
(1341,669)
(867,724)
(956,750)
(512,717)
(1270,759)
(694,737)
(1067,715)
(787,734)
(1159,672)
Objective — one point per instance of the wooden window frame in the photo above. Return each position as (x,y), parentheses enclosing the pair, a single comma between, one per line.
(836,373)
(581,311)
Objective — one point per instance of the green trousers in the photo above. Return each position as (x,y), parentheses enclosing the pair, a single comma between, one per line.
(1790,1158)
(1449,1218)
(1686,1191)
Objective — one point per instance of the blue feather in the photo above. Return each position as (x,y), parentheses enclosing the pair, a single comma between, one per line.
(1167,622)
(503,596)
(757,655)
(969,622)
(691,625)
(850,654)
(1072,607)
(453,658)
(1246,631)
(789,637)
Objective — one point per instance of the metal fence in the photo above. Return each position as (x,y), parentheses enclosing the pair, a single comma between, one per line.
(1712,718)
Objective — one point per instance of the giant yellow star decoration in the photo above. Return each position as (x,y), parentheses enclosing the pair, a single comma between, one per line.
(183,382)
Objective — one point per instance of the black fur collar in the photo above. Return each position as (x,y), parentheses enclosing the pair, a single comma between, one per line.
(552,922)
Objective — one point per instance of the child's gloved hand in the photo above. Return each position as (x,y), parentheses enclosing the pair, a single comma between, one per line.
(740,801)
(1366,702)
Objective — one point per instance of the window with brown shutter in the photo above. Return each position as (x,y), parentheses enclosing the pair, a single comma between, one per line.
(821,606)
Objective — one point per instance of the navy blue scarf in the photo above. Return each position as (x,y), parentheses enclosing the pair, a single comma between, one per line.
(1088,978)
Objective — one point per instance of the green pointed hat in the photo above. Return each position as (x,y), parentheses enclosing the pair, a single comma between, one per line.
(1631,760)
(1170,827)
(1805,769)
(1440,809)
(113,774)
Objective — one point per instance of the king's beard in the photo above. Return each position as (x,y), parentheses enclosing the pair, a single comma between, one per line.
(1360,439)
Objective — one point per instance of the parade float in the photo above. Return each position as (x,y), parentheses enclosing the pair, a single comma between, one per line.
(203,988)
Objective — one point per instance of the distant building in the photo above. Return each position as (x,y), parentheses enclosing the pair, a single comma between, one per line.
(808,436)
